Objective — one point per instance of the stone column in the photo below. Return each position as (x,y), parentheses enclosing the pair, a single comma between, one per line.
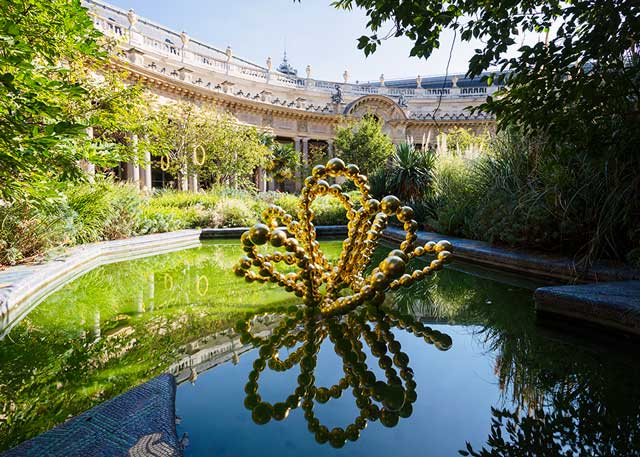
(262,179)
(298,147)
(330,149)
(147,181)
(133,169)
(305,156)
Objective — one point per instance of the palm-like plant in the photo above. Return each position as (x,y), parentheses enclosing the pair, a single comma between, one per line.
(285,161)
(411,173)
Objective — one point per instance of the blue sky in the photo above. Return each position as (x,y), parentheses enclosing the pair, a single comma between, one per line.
(315,34)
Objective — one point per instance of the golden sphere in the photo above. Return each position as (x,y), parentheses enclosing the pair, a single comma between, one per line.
(404,214)
(436,265)
(443,245)
(419,251)
(278,238)
(318,171)
(390,205)
(417,275)
(244,239)
(393,266)
(407,245)
(309,181)
(353,169)
(379,281)
(445,256)
(372,205)
(399,253)
(291,245)
(322,186)
(335,189)
(335,164)
(245,263)
(411,226)
(430,246)
(258,234)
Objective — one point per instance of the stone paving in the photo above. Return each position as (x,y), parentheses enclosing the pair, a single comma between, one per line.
(140,422)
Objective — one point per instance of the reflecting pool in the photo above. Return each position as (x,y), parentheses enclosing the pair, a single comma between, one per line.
(453,360)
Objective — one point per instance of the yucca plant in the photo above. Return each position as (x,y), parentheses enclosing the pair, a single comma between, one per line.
(411,173)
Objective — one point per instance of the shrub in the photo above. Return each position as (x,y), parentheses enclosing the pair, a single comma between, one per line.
(104,210)
(177,199)
(236,212)
(411,172)
(328,211)
(26,231)
(454,198)
(157,221)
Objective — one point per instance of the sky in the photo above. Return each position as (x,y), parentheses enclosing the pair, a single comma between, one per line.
(315,33)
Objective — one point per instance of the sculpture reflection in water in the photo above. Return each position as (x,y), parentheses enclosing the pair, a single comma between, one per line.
(387,400)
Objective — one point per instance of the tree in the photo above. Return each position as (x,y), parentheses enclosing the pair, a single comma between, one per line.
(581,88)
(192,139)
(364,144)
(50,55)
(460,140)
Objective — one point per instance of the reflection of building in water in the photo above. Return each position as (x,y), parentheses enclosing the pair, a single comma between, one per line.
(208,352)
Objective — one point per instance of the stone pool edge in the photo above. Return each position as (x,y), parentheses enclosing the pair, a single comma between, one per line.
(28,284)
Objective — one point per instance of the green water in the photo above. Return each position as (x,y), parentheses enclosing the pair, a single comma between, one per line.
(124,323)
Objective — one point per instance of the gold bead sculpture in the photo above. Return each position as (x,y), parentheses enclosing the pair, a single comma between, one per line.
(333,289)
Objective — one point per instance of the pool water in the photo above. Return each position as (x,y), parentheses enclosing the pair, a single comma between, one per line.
(480,371)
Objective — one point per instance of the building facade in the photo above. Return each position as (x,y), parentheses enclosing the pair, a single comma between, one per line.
(302,110)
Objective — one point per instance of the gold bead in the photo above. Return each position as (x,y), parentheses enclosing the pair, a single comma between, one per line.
(278,238)
(417,275)
(379,281)
(404,214)
(353,169)
(318,171)
(407,245)
(245,263)
(390,205)
(443,245)
(393,266)
(291,244)
(445,256)
(405,280)
(258,234)
(430,246)
(372,205)
(244,239)
(399,253)
(419,251)
(322,186)
(436,265)
(335,165)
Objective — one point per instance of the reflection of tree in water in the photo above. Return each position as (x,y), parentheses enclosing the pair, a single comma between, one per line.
(559,397)
(386,401)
